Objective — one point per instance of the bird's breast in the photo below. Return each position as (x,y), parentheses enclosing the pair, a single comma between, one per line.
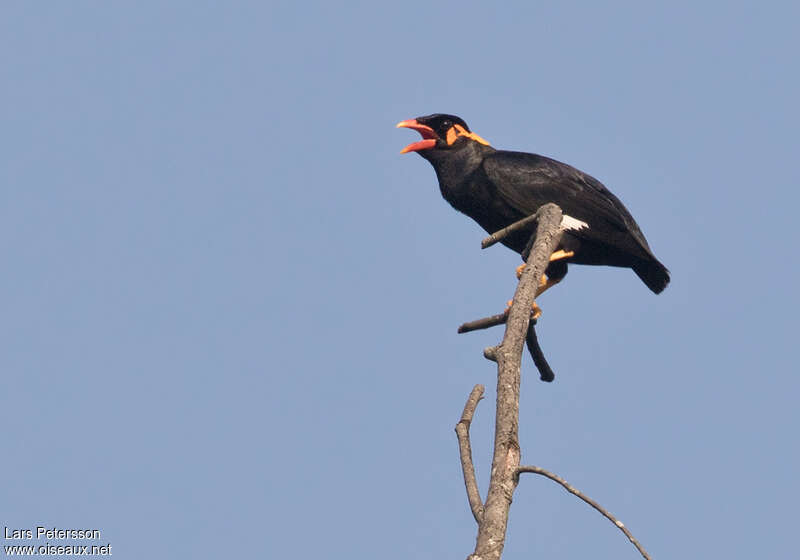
(479,200)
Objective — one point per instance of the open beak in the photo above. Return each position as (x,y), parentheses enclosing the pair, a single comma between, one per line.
(428,135)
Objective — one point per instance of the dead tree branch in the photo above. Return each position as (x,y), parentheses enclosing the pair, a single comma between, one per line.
(484,323)
(572,490)
(506,231)
(506,459)
(464,446)
(545,372)
(532,342)
(492,516)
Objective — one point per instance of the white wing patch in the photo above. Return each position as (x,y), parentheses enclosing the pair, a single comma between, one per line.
(568,222)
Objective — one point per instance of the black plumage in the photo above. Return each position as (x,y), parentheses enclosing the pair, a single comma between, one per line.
(497,188)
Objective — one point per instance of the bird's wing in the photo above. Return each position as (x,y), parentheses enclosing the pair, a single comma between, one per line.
(527,181)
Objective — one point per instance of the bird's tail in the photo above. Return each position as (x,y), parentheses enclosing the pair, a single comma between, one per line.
(652,273)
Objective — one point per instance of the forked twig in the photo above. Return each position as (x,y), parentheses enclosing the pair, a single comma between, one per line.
(531,341)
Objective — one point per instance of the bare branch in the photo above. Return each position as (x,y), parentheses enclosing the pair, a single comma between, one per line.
(572,490)
(504,479)
(545,373)
(492,517)
(508,230)
(531,341)
(462,432)
(484,323)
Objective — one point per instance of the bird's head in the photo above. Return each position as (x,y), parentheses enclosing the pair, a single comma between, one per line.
(439,132)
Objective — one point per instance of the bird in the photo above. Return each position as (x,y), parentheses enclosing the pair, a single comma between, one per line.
(497,188)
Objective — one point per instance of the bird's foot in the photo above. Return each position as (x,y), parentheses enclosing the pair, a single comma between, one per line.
(536,311)
(561,254)
(556,256)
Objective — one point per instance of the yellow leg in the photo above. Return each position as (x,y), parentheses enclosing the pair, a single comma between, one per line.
(545,283)
(561,254)
(556,256)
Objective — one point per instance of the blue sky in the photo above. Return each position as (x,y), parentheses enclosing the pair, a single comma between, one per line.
(229,305)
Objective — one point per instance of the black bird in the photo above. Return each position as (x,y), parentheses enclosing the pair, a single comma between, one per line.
(497,188)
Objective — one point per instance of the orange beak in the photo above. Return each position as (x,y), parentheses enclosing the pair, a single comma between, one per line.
(428,135)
